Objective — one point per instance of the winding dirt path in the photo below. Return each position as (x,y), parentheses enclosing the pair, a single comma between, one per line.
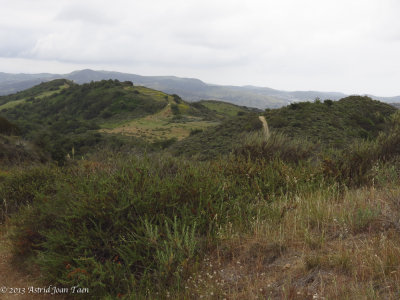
(265,125)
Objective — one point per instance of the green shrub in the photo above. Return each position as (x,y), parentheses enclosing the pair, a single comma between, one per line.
(22,187)
(195,131)
(353,165)
(177,99)
(132,227)
(217,140)
(175,110)
(258,146)
(334,123)
(7,127)
(132,224)
(165,143)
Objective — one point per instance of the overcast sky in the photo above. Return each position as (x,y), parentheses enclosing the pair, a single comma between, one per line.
(351,46)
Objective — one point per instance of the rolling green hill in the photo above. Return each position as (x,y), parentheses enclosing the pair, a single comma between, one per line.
(39,91)
(332,122)
(64,117)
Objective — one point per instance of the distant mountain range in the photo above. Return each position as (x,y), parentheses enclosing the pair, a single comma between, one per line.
(188,88)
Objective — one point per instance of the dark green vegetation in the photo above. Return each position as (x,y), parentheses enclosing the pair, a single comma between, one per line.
(327,124)
(332,122)
(131,224)
(13,149)
(7,128)
(43,89)
(79,105)
(218,140)
(138,223)
(59,116)
(65,118)
(190,89)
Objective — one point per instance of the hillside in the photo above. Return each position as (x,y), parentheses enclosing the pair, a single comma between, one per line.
(335,123)
(219,140)
(64,117)
(328,124)
(154,197)
(8,128)
(14,149)
(41,90)
(160,227)
(190,89)
(225,109)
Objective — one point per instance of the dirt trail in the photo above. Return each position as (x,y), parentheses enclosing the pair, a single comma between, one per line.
(13,280)
(265,125)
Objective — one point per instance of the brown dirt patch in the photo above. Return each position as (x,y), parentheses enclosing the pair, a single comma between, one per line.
(13,279)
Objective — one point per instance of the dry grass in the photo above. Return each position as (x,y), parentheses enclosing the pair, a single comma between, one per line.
(160,126)
(328,245)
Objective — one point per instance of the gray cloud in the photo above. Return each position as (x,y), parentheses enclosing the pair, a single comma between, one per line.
(15,45)
(85,14)
(349,46)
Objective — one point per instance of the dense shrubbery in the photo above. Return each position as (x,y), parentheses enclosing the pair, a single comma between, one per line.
(138,222)
(134,225)
(29,94)
(355,163)
(335,123)
(88,101)
(70,118)
(15,151)
(7,127)
(257,146)
(218,140)
(20,188)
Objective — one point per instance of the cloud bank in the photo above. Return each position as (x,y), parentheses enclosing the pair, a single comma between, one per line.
(347,46)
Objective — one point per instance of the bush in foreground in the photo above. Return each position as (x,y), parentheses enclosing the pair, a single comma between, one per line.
(139,223)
